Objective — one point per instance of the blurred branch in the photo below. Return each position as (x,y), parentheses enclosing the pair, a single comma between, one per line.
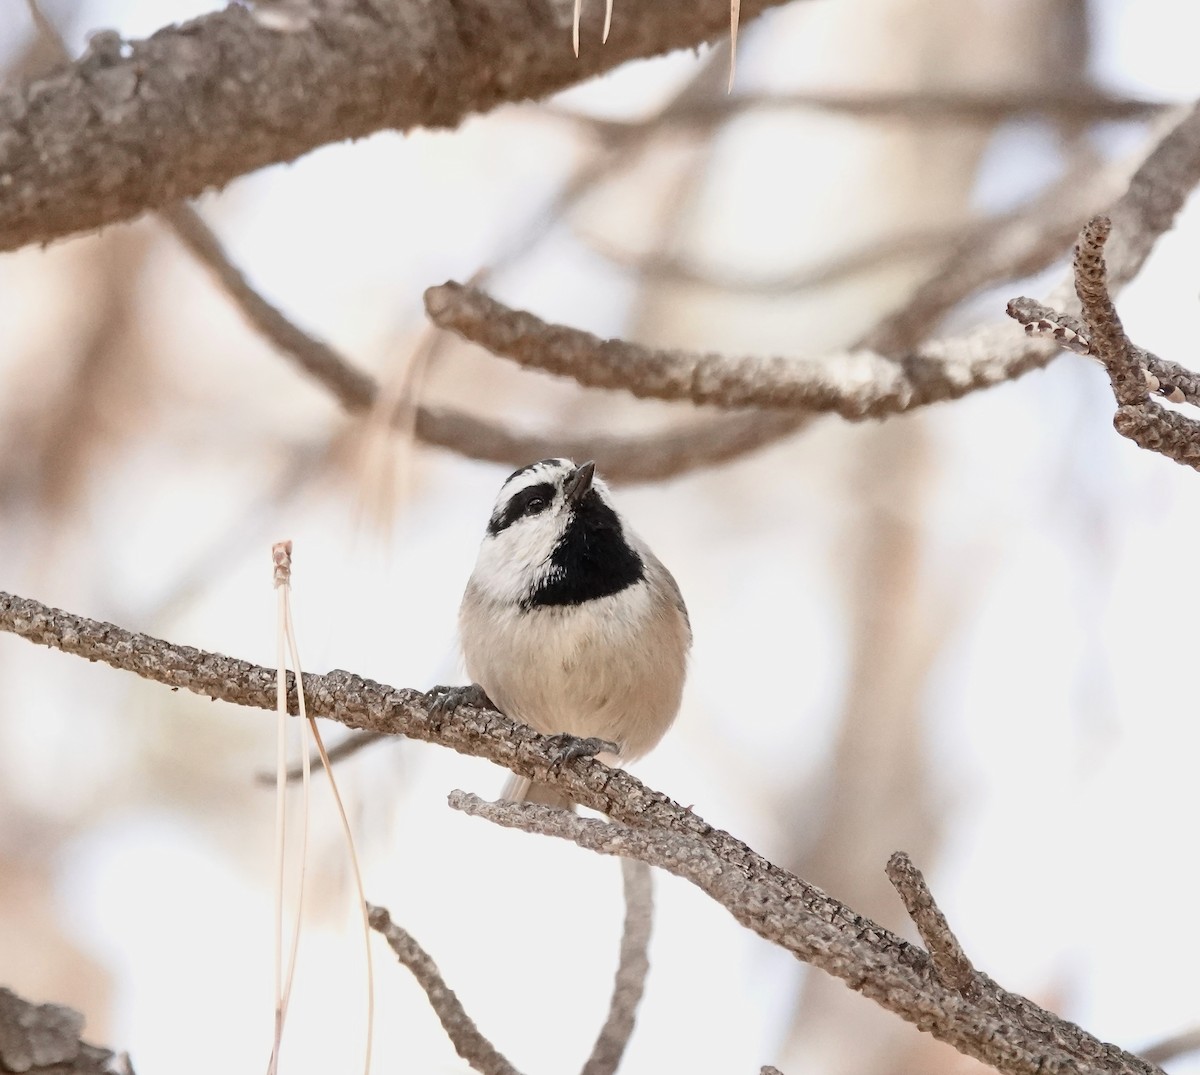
(339,751)
(1170,1048)
(44,1038)
(1000,1028)
(1132,371)
(649,457)
(870,255)
(632,967)
(950,962)
(468,1042)
(137,125)
(857,384)
(1015,244)
(926,106)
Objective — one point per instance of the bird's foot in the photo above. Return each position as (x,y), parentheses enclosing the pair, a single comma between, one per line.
(570,747)
(448,699)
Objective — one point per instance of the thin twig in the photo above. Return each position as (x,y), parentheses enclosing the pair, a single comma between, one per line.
(918,106)
(1163,377)
(1131,371)
(464,1035)
(347,747)
(1107,336)
(632,967)
(949,960)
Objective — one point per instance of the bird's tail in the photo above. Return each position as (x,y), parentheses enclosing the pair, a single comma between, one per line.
(520,789)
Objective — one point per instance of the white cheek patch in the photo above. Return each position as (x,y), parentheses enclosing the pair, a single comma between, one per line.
(512,562)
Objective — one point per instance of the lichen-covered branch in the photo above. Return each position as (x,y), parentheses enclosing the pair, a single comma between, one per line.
(1000,1028)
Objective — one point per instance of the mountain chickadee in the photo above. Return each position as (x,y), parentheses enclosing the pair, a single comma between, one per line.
(570,623)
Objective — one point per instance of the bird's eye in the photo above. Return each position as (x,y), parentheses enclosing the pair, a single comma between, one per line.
(538,503)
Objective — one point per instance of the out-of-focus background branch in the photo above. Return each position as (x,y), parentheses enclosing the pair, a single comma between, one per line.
(949,611)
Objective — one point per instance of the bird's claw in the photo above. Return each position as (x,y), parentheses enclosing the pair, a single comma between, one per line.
(570,747)
(448,699)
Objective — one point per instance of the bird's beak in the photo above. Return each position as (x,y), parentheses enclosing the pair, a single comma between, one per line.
(579,482)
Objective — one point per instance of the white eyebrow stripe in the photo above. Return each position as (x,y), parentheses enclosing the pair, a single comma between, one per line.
(536,474)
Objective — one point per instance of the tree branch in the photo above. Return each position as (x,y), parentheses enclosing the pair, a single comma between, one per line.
(1000,1028)
(464,1035)
(136,125)
(44,1038)
(1132,371)
(855,384)
(632,967)
(949,960)
(1163,377)
(862,383)
(1176,1045)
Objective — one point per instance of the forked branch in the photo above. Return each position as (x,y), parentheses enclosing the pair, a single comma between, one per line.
(1000,1028)
(1133,372)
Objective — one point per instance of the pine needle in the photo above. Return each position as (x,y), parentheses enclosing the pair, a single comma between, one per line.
(735,12)
(281,553)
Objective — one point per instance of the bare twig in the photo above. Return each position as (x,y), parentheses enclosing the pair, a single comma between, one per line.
(632,967)
(468,1042)
(119,130)
(1163,377)
(950,962)
(1107,336)
(1000,1028)
(1133,372)
(347,747)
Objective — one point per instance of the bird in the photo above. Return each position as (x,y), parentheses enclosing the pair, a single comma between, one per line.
(570,624)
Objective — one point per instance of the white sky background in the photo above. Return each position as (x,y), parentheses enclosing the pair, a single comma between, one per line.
(1060,717)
